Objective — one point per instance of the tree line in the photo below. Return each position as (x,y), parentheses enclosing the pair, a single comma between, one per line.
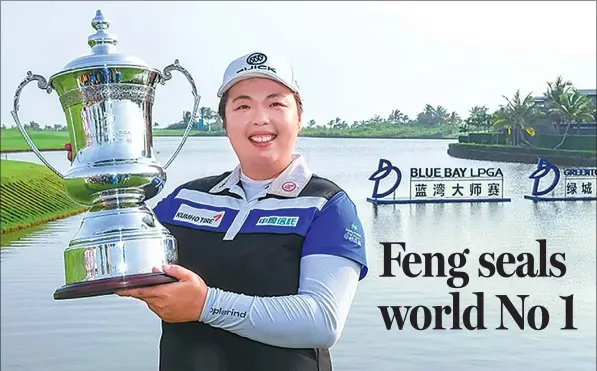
(557,110)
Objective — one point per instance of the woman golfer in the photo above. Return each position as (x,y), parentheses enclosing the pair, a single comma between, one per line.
(270,254)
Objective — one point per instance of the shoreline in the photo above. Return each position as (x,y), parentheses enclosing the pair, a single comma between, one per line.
(30,150)
(42,221)
(57,149)
(523,155)
(32,195)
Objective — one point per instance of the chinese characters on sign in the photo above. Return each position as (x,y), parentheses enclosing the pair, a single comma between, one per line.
(437,185)
(456,183)
(579,183)
(457,188)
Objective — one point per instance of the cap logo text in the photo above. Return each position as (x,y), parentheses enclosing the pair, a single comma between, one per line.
(260,67)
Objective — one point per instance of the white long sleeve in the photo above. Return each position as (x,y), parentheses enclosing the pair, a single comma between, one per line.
(313,318)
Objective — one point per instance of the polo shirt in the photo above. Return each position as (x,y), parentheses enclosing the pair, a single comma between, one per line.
(254,247)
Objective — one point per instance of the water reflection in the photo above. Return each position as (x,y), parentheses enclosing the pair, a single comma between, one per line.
(126,334)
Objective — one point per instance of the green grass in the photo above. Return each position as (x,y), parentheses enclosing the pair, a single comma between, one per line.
(527,155)
(381,131)
(12,139)
(527,150)
(31,194)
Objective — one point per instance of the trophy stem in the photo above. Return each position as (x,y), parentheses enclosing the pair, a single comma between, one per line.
(119,198)
(117,246)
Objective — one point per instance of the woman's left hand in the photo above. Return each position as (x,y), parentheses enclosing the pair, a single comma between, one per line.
(180,301)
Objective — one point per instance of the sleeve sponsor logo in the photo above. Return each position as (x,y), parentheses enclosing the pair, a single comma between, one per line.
(351,235)
(227,312)
(280,221)
(199,217)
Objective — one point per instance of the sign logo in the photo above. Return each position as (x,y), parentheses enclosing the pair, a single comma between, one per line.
(256,59)
(543,168)
(289,186)
(579,183)
(199,217)
(384,168)
(440,185)
(279,221)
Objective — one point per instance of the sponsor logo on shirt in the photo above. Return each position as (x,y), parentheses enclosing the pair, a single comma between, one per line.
(227,312)
(280,221)
(196,216)
(351,234)
(289,186)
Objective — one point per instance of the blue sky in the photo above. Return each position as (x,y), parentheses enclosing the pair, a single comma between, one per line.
(353,59)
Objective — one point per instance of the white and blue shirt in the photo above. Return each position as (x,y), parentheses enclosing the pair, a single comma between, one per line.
(282,259)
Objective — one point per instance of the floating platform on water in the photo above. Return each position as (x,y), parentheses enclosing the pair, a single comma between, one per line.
(552,198)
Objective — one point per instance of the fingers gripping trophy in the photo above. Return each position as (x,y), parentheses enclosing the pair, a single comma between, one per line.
(107,99)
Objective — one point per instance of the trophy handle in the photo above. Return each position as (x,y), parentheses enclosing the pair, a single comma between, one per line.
(167,76)
(42,83)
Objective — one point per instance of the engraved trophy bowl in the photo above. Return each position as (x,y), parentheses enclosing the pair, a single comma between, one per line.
(107,99)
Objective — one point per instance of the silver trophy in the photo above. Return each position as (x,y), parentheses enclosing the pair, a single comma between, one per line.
(107,98)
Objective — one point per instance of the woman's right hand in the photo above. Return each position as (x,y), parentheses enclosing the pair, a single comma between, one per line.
(69,153)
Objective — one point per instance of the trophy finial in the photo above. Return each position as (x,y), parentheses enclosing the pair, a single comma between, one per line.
(99,21)
(104,51)
(101,25)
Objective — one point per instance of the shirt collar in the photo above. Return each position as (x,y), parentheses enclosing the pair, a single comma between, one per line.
(289,183)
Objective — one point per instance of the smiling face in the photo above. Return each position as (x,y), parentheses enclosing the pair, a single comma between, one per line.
(262,121)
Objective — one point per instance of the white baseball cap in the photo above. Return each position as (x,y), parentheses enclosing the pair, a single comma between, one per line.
(259,64)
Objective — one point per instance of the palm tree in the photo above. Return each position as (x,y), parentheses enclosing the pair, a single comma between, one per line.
(573,106)
(397,117)
(479,118)
(453,121)
(432,116)
(553,99)
(516,116)
(207,114)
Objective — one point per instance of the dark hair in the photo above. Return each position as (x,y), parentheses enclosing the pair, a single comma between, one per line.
(224,100)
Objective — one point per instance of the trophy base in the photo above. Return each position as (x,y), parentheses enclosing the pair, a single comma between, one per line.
(119,245)
(110,286)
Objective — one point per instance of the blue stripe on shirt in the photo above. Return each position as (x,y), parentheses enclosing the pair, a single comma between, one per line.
(337,230)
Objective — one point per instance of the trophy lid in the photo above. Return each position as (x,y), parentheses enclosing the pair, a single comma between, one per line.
(103,49)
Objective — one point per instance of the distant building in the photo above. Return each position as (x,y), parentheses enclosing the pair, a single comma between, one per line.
(585,128)
(592,93)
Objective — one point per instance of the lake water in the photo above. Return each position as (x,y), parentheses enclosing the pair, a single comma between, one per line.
(112,333)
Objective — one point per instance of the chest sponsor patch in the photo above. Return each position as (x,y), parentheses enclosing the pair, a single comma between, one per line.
(280,221)
(196,216)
